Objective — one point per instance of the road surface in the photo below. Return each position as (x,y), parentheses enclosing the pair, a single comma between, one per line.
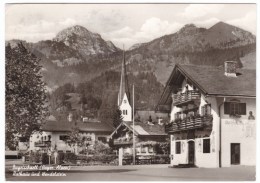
(142,173)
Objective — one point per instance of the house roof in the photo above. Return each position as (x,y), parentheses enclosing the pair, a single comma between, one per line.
(143,128)
(144,115)
(211,81)
(66,126)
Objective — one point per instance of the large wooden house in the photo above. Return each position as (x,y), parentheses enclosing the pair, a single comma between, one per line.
(147,137)
(212,113)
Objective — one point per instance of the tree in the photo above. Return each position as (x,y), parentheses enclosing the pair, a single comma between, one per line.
(25,94)
(75,139)
(101,148)
(117,117)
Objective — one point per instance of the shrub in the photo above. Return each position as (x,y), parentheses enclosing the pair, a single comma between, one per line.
(45,158)
(99,148)
(35,157)
(60,158)
(98,159)
(70,157)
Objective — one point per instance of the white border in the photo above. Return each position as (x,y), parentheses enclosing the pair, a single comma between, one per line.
(2,58)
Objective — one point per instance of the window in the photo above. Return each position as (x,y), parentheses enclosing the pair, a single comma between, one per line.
(143,149)
(177,147)
(206,110)
(49,137)
(125,112)
(206,145)
(88,138)
(178,115)
(102,139)
(64,137)
(235,108)
(150,149)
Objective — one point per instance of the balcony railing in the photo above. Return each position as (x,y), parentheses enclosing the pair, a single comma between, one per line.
(122,141)
(186,97)
(42,144)
(189,123)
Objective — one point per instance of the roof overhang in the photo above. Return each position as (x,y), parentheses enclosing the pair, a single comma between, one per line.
(117,128)
(234,96)
(174,83)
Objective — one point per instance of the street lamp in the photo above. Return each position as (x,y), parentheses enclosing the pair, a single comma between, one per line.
(133,127)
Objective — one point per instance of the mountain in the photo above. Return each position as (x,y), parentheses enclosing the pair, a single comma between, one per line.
(78,56)
(84,41)
(136,46)
(195,45)
(194,39)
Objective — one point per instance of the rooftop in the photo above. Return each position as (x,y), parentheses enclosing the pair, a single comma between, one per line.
(211,81)
(66,126)
(143,128)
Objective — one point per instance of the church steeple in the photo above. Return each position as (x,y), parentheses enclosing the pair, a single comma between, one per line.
(124,94)
(123,89)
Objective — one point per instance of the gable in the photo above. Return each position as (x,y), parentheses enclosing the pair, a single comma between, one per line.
(210,81)
(125,101)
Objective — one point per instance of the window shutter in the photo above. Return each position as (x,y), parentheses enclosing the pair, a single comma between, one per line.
(226,107)
(242,108)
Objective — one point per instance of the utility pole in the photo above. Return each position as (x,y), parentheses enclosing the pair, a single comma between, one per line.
(133,125)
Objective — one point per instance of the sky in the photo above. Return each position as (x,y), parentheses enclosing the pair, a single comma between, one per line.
(123,24)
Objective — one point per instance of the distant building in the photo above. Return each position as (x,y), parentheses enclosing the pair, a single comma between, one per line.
(55,132)
(146,136)
(212,110)
(144,115)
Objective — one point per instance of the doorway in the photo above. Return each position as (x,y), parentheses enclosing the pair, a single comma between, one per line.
(235,153)
(191,153)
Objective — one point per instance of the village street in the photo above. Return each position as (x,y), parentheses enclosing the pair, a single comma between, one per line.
(145,173)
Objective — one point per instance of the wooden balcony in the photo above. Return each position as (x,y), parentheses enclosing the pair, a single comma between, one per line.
(184,98)
(189,124)
(42,144)
(123,142)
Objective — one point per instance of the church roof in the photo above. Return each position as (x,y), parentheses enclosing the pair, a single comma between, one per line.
(124,88)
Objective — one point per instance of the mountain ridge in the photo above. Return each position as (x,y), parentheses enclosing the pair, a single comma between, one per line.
(149,65)
(190,45)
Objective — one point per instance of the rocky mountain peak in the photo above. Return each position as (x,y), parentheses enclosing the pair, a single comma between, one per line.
(86,42)
(75,31)
(190,29)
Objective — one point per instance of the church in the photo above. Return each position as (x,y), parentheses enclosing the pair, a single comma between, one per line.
(147,135)
(124,94)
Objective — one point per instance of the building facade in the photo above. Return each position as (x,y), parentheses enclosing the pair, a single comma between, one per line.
(212,113)
(55,133)
(147,137)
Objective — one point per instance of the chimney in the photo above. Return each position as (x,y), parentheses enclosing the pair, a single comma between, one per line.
(231,68)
